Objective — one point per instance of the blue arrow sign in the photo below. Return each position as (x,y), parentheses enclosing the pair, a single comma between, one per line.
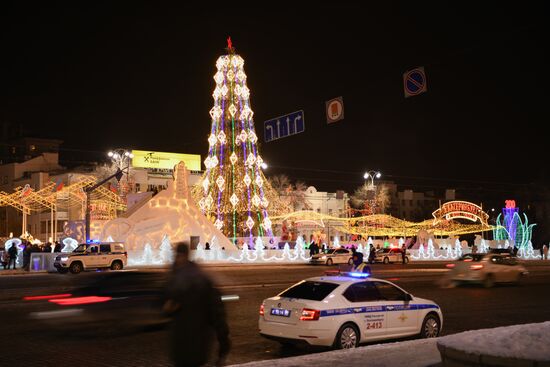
(284,126)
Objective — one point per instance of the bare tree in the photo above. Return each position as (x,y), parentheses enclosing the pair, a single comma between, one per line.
(293,195)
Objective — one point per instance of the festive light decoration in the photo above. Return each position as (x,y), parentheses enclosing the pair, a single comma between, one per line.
(234,190)
(510,226)
(382,225)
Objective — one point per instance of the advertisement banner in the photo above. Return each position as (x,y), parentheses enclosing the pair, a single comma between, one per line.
(164,160)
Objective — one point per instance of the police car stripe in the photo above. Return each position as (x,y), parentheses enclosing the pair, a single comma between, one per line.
(369,309)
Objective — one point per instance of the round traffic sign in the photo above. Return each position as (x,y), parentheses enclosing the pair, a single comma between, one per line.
(334,110)
(415,81)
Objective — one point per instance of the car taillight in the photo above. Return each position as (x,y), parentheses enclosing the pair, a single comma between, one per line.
(310,315)
(450,266)
(262,309)
(80,300)
(476,266)
(51,296)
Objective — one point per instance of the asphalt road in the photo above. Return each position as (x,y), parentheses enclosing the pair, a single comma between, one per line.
(28,342)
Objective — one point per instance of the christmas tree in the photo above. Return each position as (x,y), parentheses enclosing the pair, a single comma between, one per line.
(233,191)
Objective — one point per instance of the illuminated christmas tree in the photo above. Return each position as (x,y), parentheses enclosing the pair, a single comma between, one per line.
(233,191)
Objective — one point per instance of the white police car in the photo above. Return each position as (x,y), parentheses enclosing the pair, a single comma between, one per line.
(346,309)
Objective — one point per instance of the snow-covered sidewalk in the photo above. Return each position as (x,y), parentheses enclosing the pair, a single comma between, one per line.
(413,353)
(525,345)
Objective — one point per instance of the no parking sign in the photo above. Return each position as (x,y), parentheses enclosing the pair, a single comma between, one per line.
(414,82)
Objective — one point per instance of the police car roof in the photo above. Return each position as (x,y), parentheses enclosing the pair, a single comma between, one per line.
(341,279)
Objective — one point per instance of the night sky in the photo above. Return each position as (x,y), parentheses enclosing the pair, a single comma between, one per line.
(102,76)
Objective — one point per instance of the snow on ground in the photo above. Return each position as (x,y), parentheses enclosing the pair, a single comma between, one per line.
(527,341)
(414,353)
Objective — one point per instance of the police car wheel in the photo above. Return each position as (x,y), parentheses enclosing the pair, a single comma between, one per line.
(386,260)
(329,262)
(347,337)
(350,261)
(430,327)
(116,265)
(75,268)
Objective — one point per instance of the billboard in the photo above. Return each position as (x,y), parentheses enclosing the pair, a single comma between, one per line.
(163,160)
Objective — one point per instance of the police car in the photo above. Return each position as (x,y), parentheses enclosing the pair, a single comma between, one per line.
(346,309)
(92,256)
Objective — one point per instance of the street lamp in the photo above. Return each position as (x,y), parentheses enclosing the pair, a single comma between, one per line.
(372,175)
(120,157)
(263,165)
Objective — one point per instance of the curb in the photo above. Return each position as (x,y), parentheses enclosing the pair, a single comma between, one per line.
(452,357)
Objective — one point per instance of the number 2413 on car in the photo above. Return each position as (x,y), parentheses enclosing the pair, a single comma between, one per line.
(374,325)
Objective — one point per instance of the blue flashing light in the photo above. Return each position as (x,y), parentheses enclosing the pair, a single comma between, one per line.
(358,275)
(93,241)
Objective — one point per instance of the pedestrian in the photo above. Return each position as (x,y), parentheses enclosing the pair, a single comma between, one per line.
(207,246)
(12,251)
(358,265)
(48,247)
(197,311)
(4,257)
(57,247)
(372,255)
(354,253)
(27,255)
(313,249)
(404,253)
(545,252)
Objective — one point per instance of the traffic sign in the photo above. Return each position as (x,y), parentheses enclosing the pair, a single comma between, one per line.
(414,82)
(283,126)
(335,110)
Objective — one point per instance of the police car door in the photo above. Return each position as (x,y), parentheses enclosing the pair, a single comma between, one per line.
(92,256)
(367,308)
(401,315)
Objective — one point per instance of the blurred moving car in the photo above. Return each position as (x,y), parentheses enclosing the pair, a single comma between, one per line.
(390,255)
(108,255)
(333,256)
(114,301)
(487,269)
(347,309)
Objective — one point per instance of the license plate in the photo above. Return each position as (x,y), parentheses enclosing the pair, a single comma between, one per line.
(280,312)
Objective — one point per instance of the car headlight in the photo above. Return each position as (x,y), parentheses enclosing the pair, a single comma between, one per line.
(64,258)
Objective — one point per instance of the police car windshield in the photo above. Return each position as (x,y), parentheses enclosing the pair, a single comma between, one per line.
(314,291)
(80,248)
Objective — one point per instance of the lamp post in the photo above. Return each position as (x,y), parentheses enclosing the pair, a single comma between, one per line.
(120,157)
(371,175)
(371,190)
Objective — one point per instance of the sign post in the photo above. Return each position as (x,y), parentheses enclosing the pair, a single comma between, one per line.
(283,126)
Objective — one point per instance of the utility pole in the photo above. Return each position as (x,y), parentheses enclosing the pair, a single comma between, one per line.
(118,174)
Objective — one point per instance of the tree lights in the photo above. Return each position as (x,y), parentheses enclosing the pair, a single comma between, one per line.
(233,190)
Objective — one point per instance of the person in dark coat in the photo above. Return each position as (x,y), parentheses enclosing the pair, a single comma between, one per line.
(48,247)
(197,311)
(57,247)
(12,252)
(372,254)
(27,255)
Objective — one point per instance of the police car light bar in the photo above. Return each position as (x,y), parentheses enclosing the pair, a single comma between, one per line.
(347,274)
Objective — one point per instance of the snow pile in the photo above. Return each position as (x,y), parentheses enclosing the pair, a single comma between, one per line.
(414,353)
(528,341)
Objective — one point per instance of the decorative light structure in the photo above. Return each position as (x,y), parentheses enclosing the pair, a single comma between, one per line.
(234,192)
(511,226)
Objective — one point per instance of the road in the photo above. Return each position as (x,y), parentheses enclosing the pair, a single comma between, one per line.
(465,308)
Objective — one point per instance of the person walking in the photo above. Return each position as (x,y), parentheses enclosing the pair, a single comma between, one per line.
(12,251)
(57,247)
(372,255)
(197,311)
(404,253)
(545,252)
(4,257)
